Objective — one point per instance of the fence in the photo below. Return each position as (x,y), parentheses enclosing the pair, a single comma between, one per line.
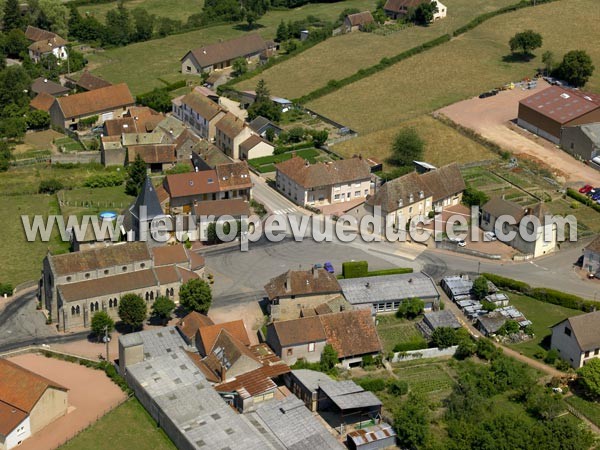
(41,349)
(425,353)
(76,158)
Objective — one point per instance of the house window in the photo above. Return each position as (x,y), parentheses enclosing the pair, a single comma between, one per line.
(567,331)
(311,347)
(357,194)
(587,354)
(290,351)
(336,196)
(87,275)
(142,265)
(596,352)
(106,272)
(388,306)
(124,268)
(410,210)
(68,278)
(366,192)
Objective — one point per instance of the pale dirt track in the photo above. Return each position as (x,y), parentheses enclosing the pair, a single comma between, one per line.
(490,117)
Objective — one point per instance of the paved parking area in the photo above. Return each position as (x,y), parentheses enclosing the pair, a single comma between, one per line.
(491,117)
(91,395)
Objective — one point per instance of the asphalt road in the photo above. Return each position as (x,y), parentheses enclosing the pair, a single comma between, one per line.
(240,276)
(274,202)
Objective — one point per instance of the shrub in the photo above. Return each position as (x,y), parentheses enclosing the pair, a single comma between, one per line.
(102,180)
(397,387)
(551,356)
(410,308)
(6,289)
(355,269)
(371,384)
(415,344)
(485,349)
(50,186)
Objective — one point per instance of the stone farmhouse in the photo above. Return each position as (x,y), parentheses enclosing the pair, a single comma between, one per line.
(221,55)
(28,403)
(76,285)
(199,112)
(106,103)
(398,9)
(351,333)
(355,22)
(415,195)
(45,43)
(322,184)
(225,181)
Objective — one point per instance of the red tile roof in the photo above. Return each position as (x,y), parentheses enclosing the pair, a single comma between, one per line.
(360,18)
(22,388)
(302,282)
(10,418)
(351,333)
(192,183)
(169,254)
(42,102)
(97,101)
(299,331)
(201,104)
(233,207)
(230,125)
(255,382)
(191,323)
(37,34)
(91,82)
(153,154)
(211,54)
(402,5)
(234,175)
(324,174)
(115,284)
(209,334)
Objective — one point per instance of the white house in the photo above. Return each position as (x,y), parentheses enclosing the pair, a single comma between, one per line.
(577,339)
(323,184)
(199,112)
(255,147)
(44,43)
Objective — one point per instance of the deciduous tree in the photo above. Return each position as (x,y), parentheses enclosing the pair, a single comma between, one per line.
(133,310)
(410,308)
(525,42)
(137,175)
(195,295)
(576,68)
(162,308)
(589,378)
(407,147)
(101,321)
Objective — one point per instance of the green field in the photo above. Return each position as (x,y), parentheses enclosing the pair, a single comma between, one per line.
(21,260)
(141,65)
(394,331)
(588,408)
(340,57)
(543,315)
(173,9)
(267,163)
(68,145)
(438,139)
(429,377)
(461,68)
(127,427)
(19,187)
(93,201)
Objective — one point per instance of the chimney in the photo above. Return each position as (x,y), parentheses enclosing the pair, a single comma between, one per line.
(288,282)
(223,373)
(411,198)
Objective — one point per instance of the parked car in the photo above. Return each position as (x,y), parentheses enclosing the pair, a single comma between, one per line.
(318,266)
(461,243)
(585,189)
(488,94)
(328,267)
(489,236)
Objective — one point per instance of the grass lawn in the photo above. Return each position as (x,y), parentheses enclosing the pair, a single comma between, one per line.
(21,260)
(93,201)
(393,331)
(439,139)
(161,57)
(431,377)
(131,426)
(461,68)
(66,144)
(588,408)
(342,56)
(543,315)
(267,163)
(26,179)
(173,9)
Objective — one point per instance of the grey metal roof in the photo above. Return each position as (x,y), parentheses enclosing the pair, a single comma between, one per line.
(592,131)
(458,285)
(178,388)
(310,378)
(348,395)
(444,318)
(388,288)
(294,425)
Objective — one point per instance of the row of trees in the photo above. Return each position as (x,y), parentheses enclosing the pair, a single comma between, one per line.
(576,67)
(194,295)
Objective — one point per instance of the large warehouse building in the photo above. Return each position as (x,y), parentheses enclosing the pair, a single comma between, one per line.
(547,112)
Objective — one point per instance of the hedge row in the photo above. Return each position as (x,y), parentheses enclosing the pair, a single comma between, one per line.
(395,271)
(546,295)
(583,199)
(168,87)
(471,134)
(487,16)
(355,269)
(334,85)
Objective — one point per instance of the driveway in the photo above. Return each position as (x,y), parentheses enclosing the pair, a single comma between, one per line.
(491,117)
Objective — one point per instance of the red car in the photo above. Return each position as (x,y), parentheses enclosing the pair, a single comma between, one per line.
(587,188)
